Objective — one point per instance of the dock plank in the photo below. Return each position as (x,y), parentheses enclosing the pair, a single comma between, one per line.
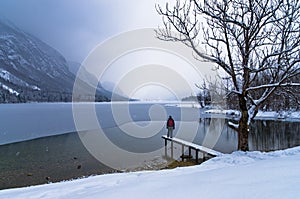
(193,145)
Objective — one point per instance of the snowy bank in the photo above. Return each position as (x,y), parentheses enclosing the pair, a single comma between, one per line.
(261,115)
(238,175)
(280,115)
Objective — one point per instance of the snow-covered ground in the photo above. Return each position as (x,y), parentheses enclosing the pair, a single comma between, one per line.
(281,115)
(261,115)
(238,175)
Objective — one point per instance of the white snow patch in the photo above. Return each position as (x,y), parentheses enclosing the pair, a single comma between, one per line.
(281,115)
(261,115)
(266,114)
(15,80)
(223,112)
(236,126)
(295,115)
(13,57)
(184,104)
(35,88)
(247,175)
(11,91)
(4,74)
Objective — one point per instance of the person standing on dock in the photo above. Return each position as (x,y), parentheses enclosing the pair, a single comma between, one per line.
(170,126)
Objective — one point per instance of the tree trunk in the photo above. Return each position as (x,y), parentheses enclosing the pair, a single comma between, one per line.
(243,129)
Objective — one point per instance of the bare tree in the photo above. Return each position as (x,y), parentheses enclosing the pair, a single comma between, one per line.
(248,39)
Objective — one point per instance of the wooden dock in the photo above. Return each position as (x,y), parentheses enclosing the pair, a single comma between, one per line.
(198,148)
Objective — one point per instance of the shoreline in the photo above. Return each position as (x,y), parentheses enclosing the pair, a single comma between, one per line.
(48,159)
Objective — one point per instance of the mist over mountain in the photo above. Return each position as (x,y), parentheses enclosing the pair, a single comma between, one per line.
(31,70)
(92,80)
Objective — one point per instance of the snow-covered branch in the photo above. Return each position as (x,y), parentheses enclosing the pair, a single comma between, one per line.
(272,86)
(257,43)
(233,125)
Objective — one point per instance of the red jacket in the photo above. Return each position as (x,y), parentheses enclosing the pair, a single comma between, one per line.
(170,123)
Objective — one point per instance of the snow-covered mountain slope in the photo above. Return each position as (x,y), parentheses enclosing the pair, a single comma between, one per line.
(31,70)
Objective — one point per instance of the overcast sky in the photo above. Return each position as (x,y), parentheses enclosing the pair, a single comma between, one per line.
(75,27)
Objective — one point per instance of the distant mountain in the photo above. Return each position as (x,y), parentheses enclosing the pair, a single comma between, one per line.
(111,86)
(93,80)
(31,70)
(73,67)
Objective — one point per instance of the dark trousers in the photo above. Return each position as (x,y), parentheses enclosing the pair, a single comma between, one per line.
(170,132)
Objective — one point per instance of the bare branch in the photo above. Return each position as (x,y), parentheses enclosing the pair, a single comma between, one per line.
(257,43)
(272,86)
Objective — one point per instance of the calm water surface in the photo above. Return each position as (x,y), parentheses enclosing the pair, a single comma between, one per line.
(53,155)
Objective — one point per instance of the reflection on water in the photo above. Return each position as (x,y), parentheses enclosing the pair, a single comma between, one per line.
(61,157)
(226,142)
(264,136)
(274,135)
